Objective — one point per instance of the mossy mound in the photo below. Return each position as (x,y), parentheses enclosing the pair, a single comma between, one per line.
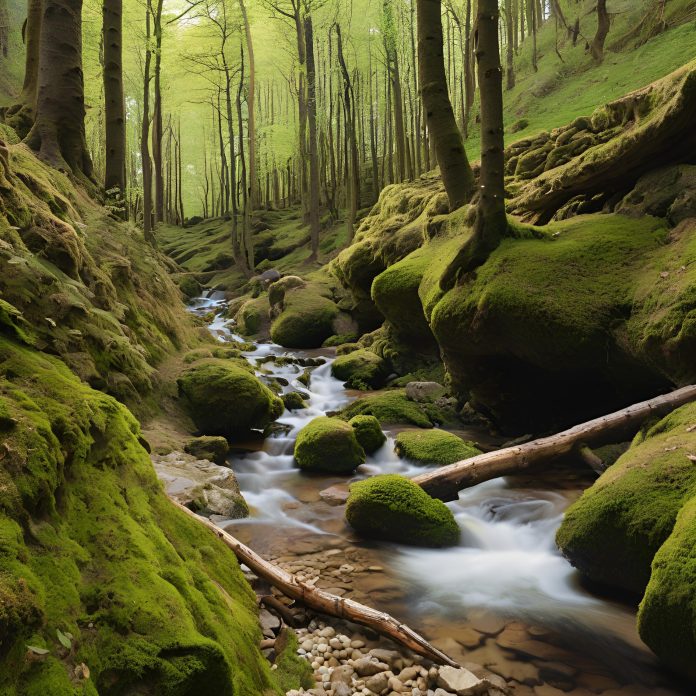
(369,433)
(612,533)
(392,408)
(253,318)
(153,602)
(360,369)
(226,399)
(307,317)
(212,448)
(276,292)
(667,614)
(393,508)
(433,447)
(189,286)
(293,672)
(328,445)
(293,401)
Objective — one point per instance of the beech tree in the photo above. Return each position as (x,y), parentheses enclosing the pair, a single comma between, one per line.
(603,24)
(442,125)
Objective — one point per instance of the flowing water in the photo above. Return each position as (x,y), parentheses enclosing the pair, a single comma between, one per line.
(504,598)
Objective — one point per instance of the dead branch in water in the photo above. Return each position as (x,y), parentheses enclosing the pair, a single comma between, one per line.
(324,602)
(446,482)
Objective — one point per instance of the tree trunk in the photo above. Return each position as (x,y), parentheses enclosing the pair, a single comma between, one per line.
(114,105)
(320,600)
(597,46)
(509,49)
(393,71)
(442,125)
(446,482)
(251,109)
(157,128)
(20,116)
(314,220)
(58,133)
(145,134)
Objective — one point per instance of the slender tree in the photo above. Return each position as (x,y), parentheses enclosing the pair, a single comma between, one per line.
(114,105)
(146,162)
(509,48)
(442,125)
(603,24)
(314,202)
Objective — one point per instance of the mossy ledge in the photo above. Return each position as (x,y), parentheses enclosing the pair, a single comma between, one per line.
(433,447)
(90,546)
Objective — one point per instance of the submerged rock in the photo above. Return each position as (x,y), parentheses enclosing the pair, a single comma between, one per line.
(201,485)
(393,508)
(360,369)
(433,447)
(224,398)
(369,433)
(328,445)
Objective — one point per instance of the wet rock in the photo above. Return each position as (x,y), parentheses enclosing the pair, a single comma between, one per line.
(460,681)
(270,623)
(214,449)
(201,485)
(334,495)
(377,683)
(343,674)
(366,667)
(424,392)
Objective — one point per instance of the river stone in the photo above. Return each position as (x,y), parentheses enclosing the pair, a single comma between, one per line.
(460,681)
(377,683)
(201,485)
(341,689)
(342,674)
(424,392)
(389,657)
(366,667)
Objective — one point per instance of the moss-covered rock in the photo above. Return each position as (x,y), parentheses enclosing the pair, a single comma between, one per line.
(189,285)
(225,399)
(210,447)
(328,445)
(293,401)
(369,433)
(253,318)
(154,602)
(293,671)
(360,369)
(307,317)
(276,291)
(392,408)
(433,447)
(667,614)
(612,533)
(393,508)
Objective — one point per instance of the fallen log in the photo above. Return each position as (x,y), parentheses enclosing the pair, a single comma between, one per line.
(446,482)
(322,601)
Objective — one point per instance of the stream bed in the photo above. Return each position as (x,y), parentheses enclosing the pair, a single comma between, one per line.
(504,598)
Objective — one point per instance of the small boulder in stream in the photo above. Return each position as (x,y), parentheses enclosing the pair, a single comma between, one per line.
(328,445)
(393,508)
(223,398)
(201,485)
(361,369)
(369,433)
(213,448)
(433,447)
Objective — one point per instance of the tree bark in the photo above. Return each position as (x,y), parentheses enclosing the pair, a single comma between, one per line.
(251,109)
(322,601)
(114,104)
(446,482)
(597,45)
(314,220)
(146,162)
(509,49)
(442,125)
(157,128)
(58,133)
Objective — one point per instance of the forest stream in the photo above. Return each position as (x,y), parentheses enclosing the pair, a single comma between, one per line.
(504,598)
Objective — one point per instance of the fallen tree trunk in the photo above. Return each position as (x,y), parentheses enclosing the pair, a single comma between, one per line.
(446,482)
(324,602)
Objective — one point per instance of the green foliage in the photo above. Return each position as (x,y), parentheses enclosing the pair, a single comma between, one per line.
(360,369)
(612,533)
(369,433)
(393,508)
(226,399)
(328,445)
(433,447)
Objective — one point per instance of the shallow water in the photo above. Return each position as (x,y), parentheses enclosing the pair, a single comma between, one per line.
(504,597)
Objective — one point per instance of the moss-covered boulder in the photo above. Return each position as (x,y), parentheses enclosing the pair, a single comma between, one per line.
(433,447)
(328,445)
(225,399)
(391,407)
(276,291)
(360,369)
(213,448)
(369,433)
(667,614)
(307,317)
(612,533)
(393,508)
(294,401)
(189,286)
(253,318)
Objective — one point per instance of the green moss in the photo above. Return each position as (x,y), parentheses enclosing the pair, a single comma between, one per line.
(667,614)
(360,369)
(392,407)
(307,318)
(276,292)
(328,445)
(154,602)
(225,399)
(433,447)
(612,533)
(189,285)
(215,449)
(253,317)
(340,341)
(393,508)
(293,671)
(347,348)
(293,401)
(369,433)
